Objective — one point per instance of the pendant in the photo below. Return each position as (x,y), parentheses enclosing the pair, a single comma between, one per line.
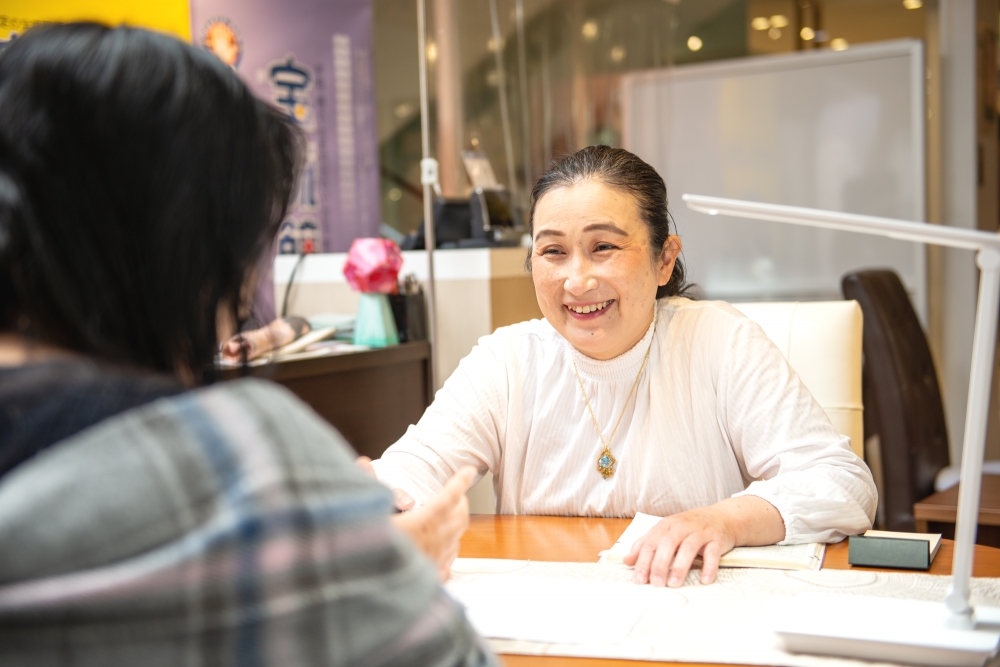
(606,464)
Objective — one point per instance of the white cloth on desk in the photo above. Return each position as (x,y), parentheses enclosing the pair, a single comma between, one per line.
(716,408)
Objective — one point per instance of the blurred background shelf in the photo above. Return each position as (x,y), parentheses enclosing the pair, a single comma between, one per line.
(370,396)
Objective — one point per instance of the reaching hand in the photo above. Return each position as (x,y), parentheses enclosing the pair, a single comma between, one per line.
(437,526)
(401,498)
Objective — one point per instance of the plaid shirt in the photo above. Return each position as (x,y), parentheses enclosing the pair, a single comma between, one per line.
(224,526)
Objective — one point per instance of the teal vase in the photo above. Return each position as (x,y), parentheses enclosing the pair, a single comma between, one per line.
(375,326)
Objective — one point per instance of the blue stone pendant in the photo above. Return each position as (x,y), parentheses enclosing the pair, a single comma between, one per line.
(606,464)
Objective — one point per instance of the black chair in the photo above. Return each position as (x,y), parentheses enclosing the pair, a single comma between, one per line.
(901,396)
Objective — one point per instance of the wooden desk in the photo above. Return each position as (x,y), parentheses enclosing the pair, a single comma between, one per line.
(371,397)
(571,539)
(936,513)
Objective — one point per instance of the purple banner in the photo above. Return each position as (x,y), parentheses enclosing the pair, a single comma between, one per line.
(313,59)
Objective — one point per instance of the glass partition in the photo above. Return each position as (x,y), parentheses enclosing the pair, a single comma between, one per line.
(524,81)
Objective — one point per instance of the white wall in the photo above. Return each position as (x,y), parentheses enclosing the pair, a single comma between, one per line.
(836,130)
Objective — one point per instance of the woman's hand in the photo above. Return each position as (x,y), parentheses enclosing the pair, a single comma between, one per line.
(437,526)
(665,554)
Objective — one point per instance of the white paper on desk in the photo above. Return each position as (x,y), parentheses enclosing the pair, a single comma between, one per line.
(641,524)
(551,610)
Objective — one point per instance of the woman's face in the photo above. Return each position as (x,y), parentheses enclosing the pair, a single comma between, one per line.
(594,272)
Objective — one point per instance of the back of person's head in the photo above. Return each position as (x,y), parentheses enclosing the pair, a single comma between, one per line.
(140,184)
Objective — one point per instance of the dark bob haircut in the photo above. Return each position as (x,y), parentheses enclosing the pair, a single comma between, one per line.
(140,184)
(625,172)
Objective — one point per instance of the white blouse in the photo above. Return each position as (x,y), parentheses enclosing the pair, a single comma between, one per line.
(717,413)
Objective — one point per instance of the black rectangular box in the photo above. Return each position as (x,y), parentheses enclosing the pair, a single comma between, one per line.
(889,552)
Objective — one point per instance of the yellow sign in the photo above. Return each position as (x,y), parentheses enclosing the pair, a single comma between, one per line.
(172,16)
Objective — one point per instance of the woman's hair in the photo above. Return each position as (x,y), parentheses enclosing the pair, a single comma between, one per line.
(619,169)
(140,184)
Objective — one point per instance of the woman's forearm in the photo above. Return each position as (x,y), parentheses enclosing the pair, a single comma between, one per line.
(752,521)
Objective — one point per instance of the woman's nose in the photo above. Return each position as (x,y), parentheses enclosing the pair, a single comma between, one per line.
(580,280)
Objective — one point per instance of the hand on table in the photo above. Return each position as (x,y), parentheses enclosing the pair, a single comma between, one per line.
(258,342)
(665,554)
(437,526)
(663,557)
(234,348)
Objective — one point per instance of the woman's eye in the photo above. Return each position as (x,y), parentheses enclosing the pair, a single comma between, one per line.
(603,246)
(550,251)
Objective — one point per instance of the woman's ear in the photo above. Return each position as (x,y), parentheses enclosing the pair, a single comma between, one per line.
(668,257)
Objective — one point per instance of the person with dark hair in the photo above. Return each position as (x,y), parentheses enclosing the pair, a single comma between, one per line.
(630,397)
(148,516)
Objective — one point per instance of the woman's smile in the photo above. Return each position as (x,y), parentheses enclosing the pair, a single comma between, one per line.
(589,311)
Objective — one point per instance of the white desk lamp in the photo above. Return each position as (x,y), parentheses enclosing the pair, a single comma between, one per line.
(910,632)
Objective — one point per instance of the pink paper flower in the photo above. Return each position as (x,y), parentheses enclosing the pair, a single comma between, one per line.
(373,266)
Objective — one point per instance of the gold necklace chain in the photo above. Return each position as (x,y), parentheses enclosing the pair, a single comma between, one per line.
(606,461)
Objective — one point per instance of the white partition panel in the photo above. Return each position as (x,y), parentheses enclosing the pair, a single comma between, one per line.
(833,130)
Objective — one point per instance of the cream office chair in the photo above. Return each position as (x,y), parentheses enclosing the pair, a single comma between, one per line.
(822,342)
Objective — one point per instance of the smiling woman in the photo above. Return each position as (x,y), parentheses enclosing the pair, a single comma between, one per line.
(599,259)
(629,397)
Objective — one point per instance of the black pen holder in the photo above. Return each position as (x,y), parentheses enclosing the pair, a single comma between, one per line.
(410,313)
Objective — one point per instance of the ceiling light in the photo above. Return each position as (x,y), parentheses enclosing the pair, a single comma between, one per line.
(491,45)
(432,52)
(774,33)
(694,43)
(403,110)
(807,34)
(589,29)
(913,4)
(779,21)
(760,23)
(839,44)
(394,194)
(618,54)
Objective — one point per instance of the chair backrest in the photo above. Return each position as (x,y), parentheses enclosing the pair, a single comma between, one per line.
(901,395)
(822,342)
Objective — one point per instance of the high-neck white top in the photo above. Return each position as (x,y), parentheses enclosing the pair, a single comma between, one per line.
(717,412)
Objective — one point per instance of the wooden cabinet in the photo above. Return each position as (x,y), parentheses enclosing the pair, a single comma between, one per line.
(371,397)
(478,290)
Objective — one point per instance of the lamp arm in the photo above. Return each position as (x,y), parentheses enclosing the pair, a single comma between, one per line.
(984,346)
(980,380)
(904,230)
